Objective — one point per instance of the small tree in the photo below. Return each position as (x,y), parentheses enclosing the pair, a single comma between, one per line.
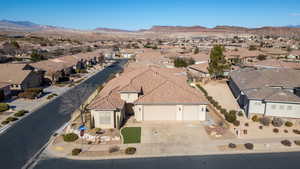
(196,51)
(217,63)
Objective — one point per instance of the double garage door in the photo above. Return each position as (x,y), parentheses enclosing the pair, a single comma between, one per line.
(169,112)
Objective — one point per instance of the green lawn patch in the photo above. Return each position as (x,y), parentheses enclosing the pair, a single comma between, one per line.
(131,135)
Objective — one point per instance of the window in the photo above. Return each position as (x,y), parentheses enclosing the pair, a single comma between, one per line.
(105,117)
(273,106)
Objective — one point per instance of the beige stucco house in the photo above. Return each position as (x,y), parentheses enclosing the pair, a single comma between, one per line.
(20,76)
(149,94)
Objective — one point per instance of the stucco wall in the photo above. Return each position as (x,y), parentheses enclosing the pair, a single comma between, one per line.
(170,112)
(283,110)
(256,107)
(96,117)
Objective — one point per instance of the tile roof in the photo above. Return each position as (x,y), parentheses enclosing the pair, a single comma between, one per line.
(268,84)
(13,73)
(158,85)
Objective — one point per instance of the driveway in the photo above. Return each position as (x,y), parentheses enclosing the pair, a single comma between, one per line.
(172,138)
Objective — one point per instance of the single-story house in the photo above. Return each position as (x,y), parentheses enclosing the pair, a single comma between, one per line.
(199,71)
(21,76)
(150,94)
(4,91)
(269,92)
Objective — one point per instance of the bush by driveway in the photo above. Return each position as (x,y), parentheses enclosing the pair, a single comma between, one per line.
(131,135)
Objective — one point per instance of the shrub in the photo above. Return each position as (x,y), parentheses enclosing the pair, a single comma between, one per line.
(4,122)
(34,90)
(265,121)
(255,118)
(288,124)
(130,150)
(28,95)
(232,145)
(23,111)
(296,131)
(223,111)
(113,149)
(230,117)
(249,146)
(19,114)
(275,130)
(297,142)
(286,131)
(12,119)
(236,123)
(3,107)
(287,143)
(76,151)
(261,127)
(70,137)
(277,122)
(240,113)
(246,124)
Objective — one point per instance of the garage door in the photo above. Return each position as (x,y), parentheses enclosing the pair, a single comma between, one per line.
(159,112)
(190,113)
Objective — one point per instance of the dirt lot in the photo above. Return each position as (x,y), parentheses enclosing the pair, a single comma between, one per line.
(220,91)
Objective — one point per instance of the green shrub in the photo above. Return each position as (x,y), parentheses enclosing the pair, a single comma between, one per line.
(76,151)
(3,107)
(296,131)
(240,113)
(297,142)
(230,117)
(130,150)
(4,122)
(12,119)
(223,111)
(19,114)
(255,118)
(23,111)
(288,124)
(70,137)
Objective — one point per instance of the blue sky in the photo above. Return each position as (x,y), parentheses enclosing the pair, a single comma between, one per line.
(137,14)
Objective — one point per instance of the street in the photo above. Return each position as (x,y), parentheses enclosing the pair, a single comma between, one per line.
(239,161)
(21,141)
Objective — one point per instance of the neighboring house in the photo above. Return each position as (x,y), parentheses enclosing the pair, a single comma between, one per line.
(241,55)
(199,71)
(150,94)
(270,92)
(4,91)
(21,76)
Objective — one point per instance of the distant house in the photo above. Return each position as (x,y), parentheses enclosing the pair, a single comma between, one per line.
(199,71)
(150,94)
(269,92)
(20,76)
(4,91)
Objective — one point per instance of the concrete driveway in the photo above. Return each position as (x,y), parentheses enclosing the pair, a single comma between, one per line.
(172,138)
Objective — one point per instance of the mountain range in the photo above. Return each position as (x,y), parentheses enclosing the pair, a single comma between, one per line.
(27,26)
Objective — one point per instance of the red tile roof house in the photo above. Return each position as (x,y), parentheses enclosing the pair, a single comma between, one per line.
(150,94)
(4,91)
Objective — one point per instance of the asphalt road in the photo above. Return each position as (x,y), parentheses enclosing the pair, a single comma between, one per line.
(241,161)
(21,141)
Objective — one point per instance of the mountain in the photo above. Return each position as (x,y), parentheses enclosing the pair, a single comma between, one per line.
(8,25)
(176,29)
(100,29)
(293,26)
